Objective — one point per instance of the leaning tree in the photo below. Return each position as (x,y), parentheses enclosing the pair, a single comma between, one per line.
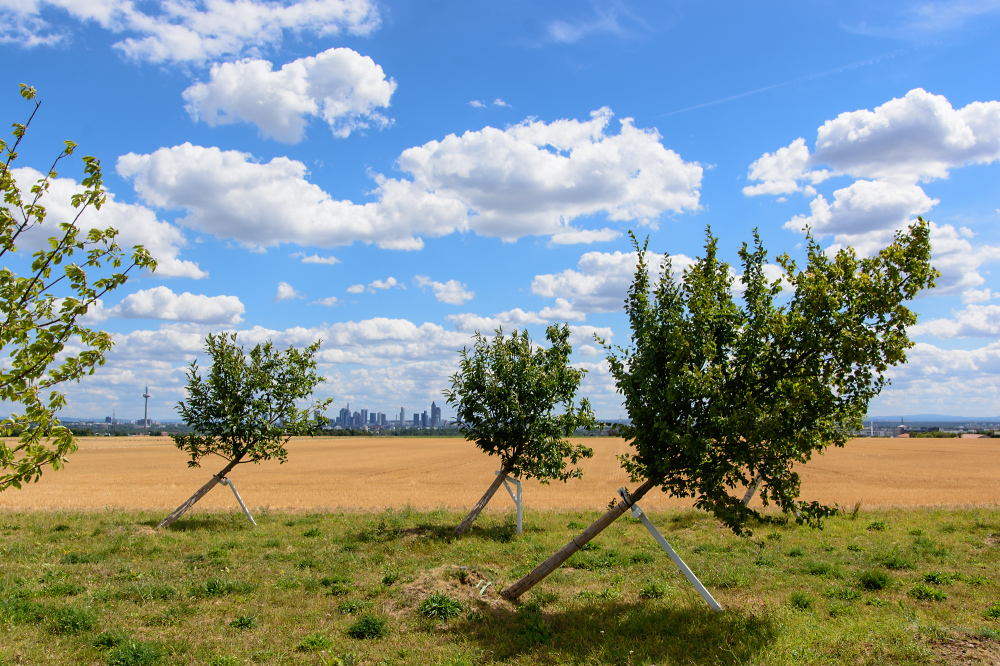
(42,335)
(245,410)
(722,395)
(516,401)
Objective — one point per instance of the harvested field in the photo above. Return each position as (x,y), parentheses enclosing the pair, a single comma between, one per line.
(365,473)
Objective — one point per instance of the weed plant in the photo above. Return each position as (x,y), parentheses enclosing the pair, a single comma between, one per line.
(104,588)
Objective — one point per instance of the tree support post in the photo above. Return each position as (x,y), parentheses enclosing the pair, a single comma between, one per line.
(517,500)
(232,486)
(685,569)
(754,485)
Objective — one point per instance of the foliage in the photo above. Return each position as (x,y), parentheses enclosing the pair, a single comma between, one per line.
(134,653)
(718,392)
(801,600)
(927,593)
(369,627)
(314,643)
(245,409)
(439,606)
(40,311)
(516,401)
(244,622)
(874,580)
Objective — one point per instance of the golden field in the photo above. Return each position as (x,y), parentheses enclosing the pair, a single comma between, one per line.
(425,473)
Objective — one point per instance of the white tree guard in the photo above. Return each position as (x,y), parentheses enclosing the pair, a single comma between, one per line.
(517,498)
(232,486)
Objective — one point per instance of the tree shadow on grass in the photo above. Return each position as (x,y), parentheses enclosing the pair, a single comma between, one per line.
(618,632)
(204,521)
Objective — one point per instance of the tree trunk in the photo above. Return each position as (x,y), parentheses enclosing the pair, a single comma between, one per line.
(754,485)
(179,511)
(481,504)
(564,553)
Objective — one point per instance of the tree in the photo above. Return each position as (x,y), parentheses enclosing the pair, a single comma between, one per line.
(515,401)
(40,310)
(718,394)
(245,410)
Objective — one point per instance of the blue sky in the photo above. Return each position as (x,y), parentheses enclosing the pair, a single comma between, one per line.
(392,176)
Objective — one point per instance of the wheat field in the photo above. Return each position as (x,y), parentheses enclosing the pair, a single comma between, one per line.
(425,473)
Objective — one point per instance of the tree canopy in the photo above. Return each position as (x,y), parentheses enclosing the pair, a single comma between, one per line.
(516,401)
(718,392)
(245,410)
(40,310)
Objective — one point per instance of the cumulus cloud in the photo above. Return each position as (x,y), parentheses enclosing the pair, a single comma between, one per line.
(356,289)
(315,259)
(188,31)
(339,85)
(452,292)
(917,138)
(975,321)
(601,280)
(286,292)
(329,301)
(476,104)
(136,225)
(162,303)
(530,179)
(500,102)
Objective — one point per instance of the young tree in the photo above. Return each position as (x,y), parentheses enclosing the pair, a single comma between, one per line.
(244,411)
(40,310)
(719,394)
(507,394)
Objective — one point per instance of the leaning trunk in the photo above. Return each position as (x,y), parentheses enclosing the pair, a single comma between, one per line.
(564,553)
(481,504)
(179,511)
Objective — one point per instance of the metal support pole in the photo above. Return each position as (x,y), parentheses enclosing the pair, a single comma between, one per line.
(232,486)
(637,513)
(754,485)
(517,499)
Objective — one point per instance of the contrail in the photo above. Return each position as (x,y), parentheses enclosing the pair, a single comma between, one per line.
(810,77)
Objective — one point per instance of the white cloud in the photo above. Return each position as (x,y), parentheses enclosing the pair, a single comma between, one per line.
(315,259)
(975,321)
(601,280)
(476,104)
(452,291)
(339,85)
(978,295)
(388,283)
(188,31)
(500,102)
(329,301)
(530,179)
(162,303)
(516,318)
(917,138)
(136,224)
(356,289)
(584,236)
(286,292)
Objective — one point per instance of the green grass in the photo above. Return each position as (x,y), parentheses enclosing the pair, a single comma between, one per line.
(369,588)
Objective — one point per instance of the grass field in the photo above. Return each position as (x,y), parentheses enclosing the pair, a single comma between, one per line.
(902,586)
(375,473)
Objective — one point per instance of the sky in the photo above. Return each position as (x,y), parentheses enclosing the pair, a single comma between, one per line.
(391,177)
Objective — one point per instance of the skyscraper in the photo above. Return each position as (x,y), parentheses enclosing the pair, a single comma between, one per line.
(435,415)
(402,417)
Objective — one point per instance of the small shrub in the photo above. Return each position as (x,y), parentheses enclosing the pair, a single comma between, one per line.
(225,660)
(839,609)
(244,622)
(369,627)
(895,561)
(575,525)
(796,551)
(939,578)
(977,580)
(590,545)
(855,548)
(109,639)
(878,526)
(314,643)
(79,558)
(801,600)
(390,578)
(71,620)
(843,593)
(312,532)
(653,590)
(440,606)
(993,612)
(336,586)
(927,593)
(874,580)
(134,653)
(350,607)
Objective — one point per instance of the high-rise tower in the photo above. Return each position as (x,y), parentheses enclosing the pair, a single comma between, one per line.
(145,412)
